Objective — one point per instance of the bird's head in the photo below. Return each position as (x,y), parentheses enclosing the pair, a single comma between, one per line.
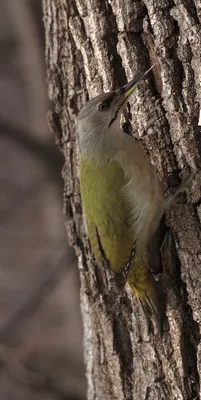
(102,113)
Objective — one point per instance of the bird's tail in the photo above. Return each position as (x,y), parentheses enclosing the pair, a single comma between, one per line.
(147,289)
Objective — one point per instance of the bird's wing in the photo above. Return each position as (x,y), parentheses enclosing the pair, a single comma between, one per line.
(106,211)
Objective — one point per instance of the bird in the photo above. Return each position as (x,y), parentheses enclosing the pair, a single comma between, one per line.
(121,194)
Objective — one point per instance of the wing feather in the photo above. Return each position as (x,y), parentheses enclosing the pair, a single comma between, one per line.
(106,208)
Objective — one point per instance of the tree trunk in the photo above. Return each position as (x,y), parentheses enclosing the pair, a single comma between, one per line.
(94,46)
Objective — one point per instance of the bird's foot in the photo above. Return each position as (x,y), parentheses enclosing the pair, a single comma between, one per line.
(185,187)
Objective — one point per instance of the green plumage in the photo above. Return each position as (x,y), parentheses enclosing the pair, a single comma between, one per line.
(108,213)
(106,210)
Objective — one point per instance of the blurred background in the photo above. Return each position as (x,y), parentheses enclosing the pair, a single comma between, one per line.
(40,324)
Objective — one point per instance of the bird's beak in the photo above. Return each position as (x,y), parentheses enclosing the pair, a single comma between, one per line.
(122,94)
(127,89)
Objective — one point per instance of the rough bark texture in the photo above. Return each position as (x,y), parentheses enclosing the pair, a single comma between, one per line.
(94,46)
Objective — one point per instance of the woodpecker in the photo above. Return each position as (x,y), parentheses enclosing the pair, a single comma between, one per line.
(121,194)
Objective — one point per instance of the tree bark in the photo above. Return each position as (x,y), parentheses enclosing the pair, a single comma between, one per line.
(94,46)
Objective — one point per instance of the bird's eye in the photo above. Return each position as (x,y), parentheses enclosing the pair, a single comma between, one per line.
(102,107)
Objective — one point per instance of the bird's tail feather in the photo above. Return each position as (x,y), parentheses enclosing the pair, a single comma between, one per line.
(147,289)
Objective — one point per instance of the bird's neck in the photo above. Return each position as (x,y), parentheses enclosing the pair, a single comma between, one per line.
(99,147)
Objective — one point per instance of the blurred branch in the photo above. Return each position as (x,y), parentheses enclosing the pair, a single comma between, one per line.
(37,379)
(20,199)
(47,153)
(30,306)
(19,370)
